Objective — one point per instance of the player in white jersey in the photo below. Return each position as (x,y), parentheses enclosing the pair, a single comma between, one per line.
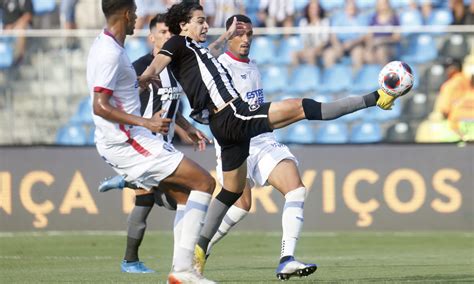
(125,139)
(269,162)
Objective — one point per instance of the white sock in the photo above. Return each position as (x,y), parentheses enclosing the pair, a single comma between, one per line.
(177,228)
(192,221)
(233,216)
(292,220)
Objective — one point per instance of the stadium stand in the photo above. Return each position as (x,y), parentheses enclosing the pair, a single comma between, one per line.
(332,133)
(6,54)
(71,135)
(455,46)
(136,48)
(301,133)
(41,7)
(366,132)
(305,78)
(400,132)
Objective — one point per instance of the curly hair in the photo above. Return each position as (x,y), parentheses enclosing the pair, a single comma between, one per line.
(179,13)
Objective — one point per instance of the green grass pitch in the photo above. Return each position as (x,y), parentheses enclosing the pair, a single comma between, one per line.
(243,257)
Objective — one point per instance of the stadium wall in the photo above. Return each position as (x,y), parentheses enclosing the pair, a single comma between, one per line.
(366,187)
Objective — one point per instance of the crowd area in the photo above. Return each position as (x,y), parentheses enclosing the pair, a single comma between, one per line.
(322,64)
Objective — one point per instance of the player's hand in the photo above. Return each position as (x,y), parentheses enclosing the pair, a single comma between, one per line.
(198,138)
(145,80)
(235,29)
(159,124)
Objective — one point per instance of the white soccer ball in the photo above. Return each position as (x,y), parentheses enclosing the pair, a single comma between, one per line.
(396,78)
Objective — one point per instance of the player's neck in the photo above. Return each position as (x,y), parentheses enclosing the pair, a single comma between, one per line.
(117,32)
(238,57)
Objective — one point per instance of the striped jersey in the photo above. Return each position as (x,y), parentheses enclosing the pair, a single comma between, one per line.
(165,94)
(205,81)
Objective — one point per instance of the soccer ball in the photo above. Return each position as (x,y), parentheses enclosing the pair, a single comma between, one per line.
(396,78)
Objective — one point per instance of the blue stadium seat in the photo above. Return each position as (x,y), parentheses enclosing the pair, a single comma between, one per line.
(332,4)
(299,4)
(379,114)
(421,49)
(301,133)
(287,47)
(185,107)
(366,80)
(71,134)
(366,4)
(410,18)
(90,136)
(136,48)
(332,133)
(440,17)
(281,135)
(336,79)
(397,4)
(84,112)
(41,7)
(304,79)
(416,107)
(366,132)
(6,54)
(434,77)
(263,50)
(275,79)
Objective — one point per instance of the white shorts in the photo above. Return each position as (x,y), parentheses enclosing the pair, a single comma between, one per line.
(144,162)
(264,155)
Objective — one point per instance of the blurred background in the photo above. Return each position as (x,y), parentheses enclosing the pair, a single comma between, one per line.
(323,49)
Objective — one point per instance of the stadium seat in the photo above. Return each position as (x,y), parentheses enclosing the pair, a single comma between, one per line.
(281,135)
(84,112)
(263,50)
(410,19)
(287,47)
(400,132)
(381,115)
(366,132)
(336,79)
(136,48)
(275,79)
(6,54)
(455,46)
(332,4)
(90,136)
(434,77)
(366,80)
(332,133)
(184,107)
(416,108)
(366,4)
(421,49)
(41,7)
(301,133)
(440,17)
(304,79)
(399,4)
(71,134)
(299,4)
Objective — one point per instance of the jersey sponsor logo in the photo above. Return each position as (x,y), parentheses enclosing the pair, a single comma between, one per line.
(170,93)
(254,107)
(243,76)
(255,97)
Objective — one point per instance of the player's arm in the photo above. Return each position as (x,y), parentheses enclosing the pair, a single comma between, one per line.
(193,134)
(103,108)
(151,73)
(217,47)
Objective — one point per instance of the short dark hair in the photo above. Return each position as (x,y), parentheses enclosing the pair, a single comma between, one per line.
(110,7)
(178,13)
(321,14)
(240,18)
(158,19)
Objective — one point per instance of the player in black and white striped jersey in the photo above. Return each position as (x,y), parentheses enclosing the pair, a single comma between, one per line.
(233,122)
(163,96)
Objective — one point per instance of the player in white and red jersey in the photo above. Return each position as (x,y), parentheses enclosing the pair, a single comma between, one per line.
(125,139)
(269,162)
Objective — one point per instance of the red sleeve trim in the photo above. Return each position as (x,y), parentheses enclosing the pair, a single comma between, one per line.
(103,91)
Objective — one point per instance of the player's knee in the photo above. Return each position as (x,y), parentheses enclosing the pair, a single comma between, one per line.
(244,203)
(206,184)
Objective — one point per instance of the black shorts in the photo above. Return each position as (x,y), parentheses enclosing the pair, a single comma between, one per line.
(234,126)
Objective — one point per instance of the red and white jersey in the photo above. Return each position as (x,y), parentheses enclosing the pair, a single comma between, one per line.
(110,71)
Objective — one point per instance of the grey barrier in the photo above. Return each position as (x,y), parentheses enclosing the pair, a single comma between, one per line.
(351,187)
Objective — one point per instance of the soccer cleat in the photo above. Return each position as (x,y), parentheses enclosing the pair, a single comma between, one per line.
(199,259)
(135,267)
(187,277)
(116,182)
(385,100)
(293,267)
